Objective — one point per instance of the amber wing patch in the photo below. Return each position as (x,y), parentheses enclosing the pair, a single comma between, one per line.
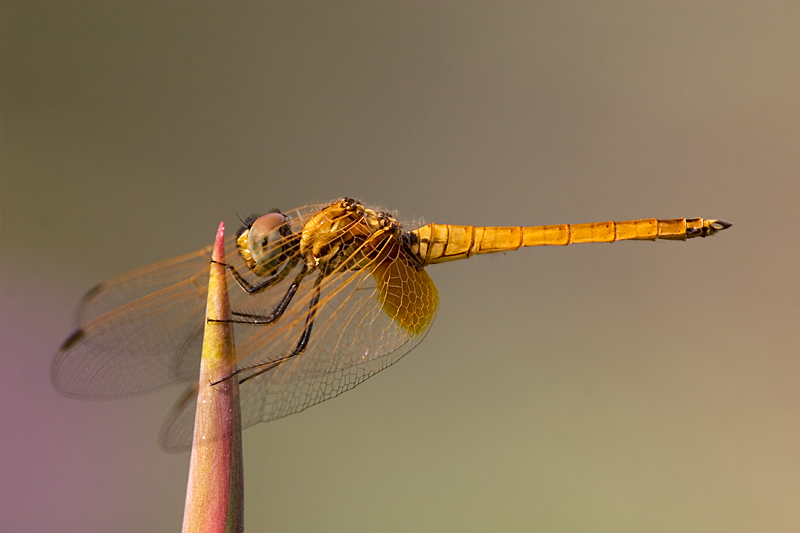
(407,293)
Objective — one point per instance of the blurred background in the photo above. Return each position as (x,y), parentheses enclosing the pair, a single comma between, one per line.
(623,388)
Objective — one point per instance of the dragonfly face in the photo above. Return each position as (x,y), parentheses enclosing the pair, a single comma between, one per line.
(328,295)
(261,242)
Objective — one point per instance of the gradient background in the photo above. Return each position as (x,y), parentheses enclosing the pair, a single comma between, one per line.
(626,388)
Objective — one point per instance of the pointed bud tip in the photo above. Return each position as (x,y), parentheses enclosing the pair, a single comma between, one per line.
(219,245)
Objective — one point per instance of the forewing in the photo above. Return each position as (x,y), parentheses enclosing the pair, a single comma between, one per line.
(137,332)
(126,288)
(143,330)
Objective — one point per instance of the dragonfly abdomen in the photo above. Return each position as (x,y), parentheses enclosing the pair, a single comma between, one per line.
(438,243)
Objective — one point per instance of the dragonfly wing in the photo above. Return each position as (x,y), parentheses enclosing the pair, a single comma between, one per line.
(177,430)
(142,331)
(145,344)
(126,288)
(366,321)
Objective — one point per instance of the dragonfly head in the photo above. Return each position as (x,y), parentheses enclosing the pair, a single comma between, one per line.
(262,242)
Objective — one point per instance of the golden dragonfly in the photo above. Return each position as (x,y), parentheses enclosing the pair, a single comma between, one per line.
(326,296)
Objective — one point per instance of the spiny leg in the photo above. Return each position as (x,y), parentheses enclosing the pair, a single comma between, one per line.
(251,318)
(302,344)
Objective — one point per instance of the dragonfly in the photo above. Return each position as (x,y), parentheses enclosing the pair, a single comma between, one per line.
(325,296)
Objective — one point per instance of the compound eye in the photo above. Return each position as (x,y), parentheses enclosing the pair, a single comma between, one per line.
(264,240)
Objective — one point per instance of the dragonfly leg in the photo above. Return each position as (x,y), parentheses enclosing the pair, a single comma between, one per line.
(255,319)
(249,288)
(301,346)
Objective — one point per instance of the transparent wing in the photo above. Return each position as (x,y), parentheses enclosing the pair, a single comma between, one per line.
(142,331)
(366,320)
(137,332)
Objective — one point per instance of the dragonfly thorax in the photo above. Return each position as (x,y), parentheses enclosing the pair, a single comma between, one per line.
(346,232)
